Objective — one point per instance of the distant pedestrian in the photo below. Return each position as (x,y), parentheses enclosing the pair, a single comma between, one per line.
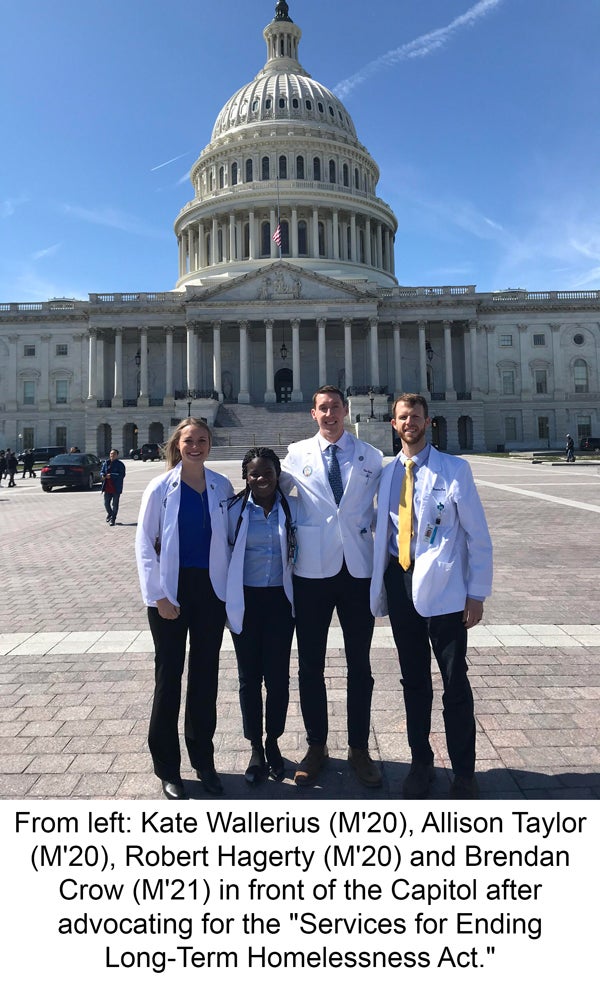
(570,448)
(11,468)
(28,463)
(2,466)
(113,476)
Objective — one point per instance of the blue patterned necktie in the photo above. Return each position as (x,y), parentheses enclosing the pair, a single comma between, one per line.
(334,474)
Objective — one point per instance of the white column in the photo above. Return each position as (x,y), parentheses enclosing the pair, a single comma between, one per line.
(450,391)
(93,365)
(169,397)
(373,322)
(192,244)
(244,393)
(11,402)
(321,328)
(190,358)
(143,394)
(294,232)
(297,390)
(213,241)
(232,251)
(43,397)
(368,253)
(202,260)
(251,236)
(398,388)
(217,373)
(117,399)
(336,234)
(348,353)
(559,383)
(315,232)
(422,325)
(473,340)
(270,396)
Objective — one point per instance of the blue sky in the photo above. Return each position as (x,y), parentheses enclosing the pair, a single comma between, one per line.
(483,116)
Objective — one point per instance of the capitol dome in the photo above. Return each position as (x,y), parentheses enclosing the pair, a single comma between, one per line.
(284,155)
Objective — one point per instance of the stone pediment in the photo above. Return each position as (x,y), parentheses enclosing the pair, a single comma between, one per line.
(280,282)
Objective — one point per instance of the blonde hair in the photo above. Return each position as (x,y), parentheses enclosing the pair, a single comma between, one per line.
(172,452)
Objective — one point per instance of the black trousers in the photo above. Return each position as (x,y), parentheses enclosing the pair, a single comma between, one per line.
(202,618)
(263,653)
(111,503)
(448,637)
(315,600)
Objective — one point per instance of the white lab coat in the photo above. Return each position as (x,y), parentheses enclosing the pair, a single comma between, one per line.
(459,562)
(328,535)
(159,515)
(234,599)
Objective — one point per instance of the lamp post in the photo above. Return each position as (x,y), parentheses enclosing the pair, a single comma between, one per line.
(138,362)
(372,399)
(190,397)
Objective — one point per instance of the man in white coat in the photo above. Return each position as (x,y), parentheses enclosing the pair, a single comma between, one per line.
(336,477)
(432,572)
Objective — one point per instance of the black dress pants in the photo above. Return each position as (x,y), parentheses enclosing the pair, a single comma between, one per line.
(202,618)
(315,600)
(448,637)
(263,653)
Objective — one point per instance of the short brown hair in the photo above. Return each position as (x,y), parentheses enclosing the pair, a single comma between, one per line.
(331,391)
(172,452)
(413,400)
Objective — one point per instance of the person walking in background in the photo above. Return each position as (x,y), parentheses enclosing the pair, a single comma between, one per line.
(11,468)
(28,464)
(570,448)
(113,476)
(336,477)
(259,604)
(182,557)
(432,572)
(2,466)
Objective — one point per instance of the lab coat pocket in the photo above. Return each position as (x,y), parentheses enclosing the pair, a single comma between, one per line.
(308,562)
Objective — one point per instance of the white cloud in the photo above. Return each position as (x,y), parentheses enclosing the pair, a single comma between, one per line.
(418,48)
(9,206)
(41,254)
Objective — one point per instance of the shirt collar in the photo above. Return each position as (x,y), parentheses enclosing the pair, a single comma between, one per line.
(419,459)
(343,442)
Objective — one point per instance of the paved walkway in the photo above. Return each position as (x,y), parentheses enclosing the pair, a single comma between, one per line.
(76,657)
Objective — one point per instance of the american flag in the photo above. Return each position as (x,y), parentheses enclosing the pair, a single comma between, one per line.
(277,235)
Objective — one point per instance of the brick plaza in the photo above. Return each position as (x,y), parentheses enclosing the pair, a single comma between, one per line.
(76,660)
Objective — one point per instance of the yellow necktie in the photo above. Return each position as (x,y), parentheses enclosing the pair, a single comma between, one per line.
(405,515)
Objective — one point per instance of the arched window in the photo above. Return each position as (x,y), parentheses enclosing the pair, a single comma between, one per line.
(211,180)
(281,103)
(221,177)
(346,177)
(295,103)
(283,166)
(220,246)
(234,173)
(302,238)
(265,169)
(316,169)
(580,376)
(332,171)
(246,240)
(300,168)
(249,169)
(265,239)
(356,178)
(321,239)
(285,238)
(208,248)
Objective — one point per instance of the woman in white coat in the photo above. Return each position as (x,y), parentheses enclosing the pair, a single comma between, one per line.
(182,553)
(260,607)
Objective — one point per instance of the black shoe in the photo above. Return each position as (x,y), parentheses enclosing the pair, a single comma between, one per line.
(308,770)
(416,784)
(173,789)
(210,781)
(464,788)
(108,518)
(274,759)
(257,767)
(112,522)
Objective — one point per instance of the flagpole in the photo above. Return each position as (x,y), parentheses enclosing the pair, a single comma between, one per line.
(278,229)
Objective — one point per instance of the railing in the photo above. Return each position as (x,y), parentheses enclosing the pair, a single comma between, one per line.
(103,403)
(438,397)
(155,401)
(509,296)
(196,395)
(463,396)
(366,390)
(145,298)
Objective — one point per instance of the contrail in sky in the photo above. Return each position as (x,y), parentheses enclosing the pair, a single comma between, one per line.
(419,48)
(172,161)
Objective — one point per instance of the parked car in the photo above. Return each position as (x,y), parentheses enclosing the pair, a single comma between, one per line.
(590,444)
(44,454)
(73,470)
(147,452)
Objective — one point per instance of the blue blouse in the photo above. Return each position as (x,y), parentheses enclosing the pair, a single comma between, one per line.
(194,528)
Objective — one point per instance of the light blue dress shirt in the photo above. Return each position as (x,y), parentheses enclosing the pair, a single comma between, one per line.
(263,566)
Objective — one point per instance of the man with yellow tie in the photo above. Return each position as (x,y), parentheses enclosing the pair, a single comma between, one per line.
(432,573)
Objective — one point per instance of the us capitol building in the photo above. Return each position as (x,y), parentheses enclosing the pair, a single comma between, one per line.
(255,324)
